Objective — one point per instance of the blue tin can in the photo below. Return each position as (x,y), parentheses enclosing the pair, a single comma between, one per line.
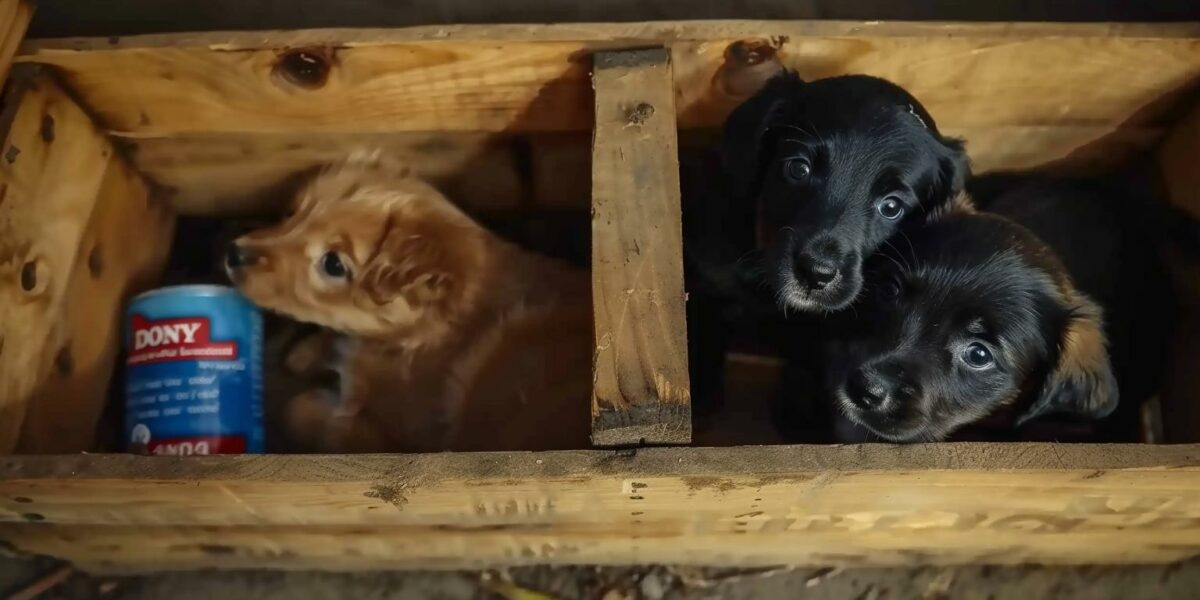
(193,372)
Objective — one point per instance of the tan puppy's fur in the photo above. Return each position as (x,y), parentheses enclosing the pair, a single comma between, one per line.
(451,338)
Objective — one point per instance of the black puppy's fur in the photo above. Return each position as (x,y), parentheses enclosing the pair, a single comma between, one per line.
(831,169)
(1046,285)
(758,238)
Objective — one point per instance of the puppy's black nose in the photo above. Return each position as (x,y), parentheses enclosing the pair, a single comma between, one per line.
(864,390)
(815,272)
(238,256)
(878,386)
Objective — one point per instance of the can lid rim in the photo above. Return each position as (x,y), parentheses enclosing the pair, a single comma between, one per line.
(190,289)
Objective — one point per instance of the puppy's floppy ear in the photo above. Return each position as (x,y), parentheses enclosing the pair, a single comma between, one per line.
(745,133)
(409,264)
(954,166)
(1082,383)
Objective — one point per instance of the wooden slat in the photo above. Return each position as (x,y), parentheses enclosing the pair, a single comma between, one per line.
(224,174)
(506,78)
(847,505)
(190,100)
(640,388)
(53,164)
(122,252)
(14,19)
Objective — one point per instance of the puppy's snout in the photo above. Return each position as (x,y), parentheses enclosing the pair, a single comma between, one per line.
(239,256)
(879,386)
(819,262)
(815,273)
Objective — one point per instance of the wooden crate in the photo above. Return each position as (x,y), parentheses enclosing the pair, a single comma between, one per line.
(103,137)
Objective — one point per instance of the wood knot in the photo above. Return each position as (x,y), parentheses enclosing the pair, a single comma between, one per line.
(64,362)
(47,129)
(306,68)
(748,65)
(29,277)
(95,261)
(639,114)
(749,52)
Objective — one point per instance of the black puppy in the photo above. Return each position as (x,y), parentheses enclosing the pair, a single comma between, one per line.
(1013,314)
(831,169)
(811,177)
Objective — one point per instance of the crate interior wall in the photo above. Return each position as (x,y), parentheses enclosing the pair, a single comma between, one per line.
(107,136)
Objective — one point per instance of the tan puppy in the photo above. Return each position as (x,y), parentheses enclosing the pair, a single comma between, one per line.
(451,338)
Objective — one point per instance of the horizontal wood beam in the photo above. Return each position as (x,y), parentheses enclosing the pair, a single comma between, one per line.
(843,505)
(535,78)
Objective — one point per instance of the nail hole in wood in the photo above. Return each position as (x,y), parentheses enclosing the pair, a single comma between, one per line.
(640,113)
(95,261)
(29,277)
(308,68)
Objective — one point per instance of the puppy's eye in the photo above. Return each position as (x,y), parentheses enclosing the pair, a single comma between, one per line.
(890,208)
(798,169)
(331,265)
(890,290)
(977,356)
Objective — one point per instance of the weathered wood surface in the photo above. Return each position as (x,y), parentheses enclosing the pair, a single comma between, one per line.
(181,94)
(83,17)
(226,174)
(56,168)
(847,505)
(640,388)
(122,252)
(505,78)
(14,19)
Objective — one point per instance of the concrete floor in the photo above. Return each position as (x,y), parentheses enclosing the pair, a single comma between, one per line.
(643,583)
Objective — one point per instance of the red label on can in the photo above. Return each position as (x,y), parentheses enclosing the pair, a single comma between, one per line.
(176,339)
(187,446)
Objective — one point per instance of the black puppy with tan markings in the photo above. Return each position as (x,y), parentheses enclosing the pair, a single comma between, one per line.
(1055,302)
(811,179)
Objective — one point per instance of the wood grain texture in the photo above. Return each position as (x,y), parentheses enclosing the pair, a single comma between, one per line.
(184,96)
(827,505)
(640,391)
(53,164)
(506,78)
(228,174)
(122,252)
(14,19)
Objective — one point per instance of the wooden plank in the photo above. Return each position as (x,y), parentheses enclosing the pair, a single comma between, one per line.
(110,267)
(640,388)
(83,17)
(509,78)
(840,505)
(53,163)
(14,19)
(226,174)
